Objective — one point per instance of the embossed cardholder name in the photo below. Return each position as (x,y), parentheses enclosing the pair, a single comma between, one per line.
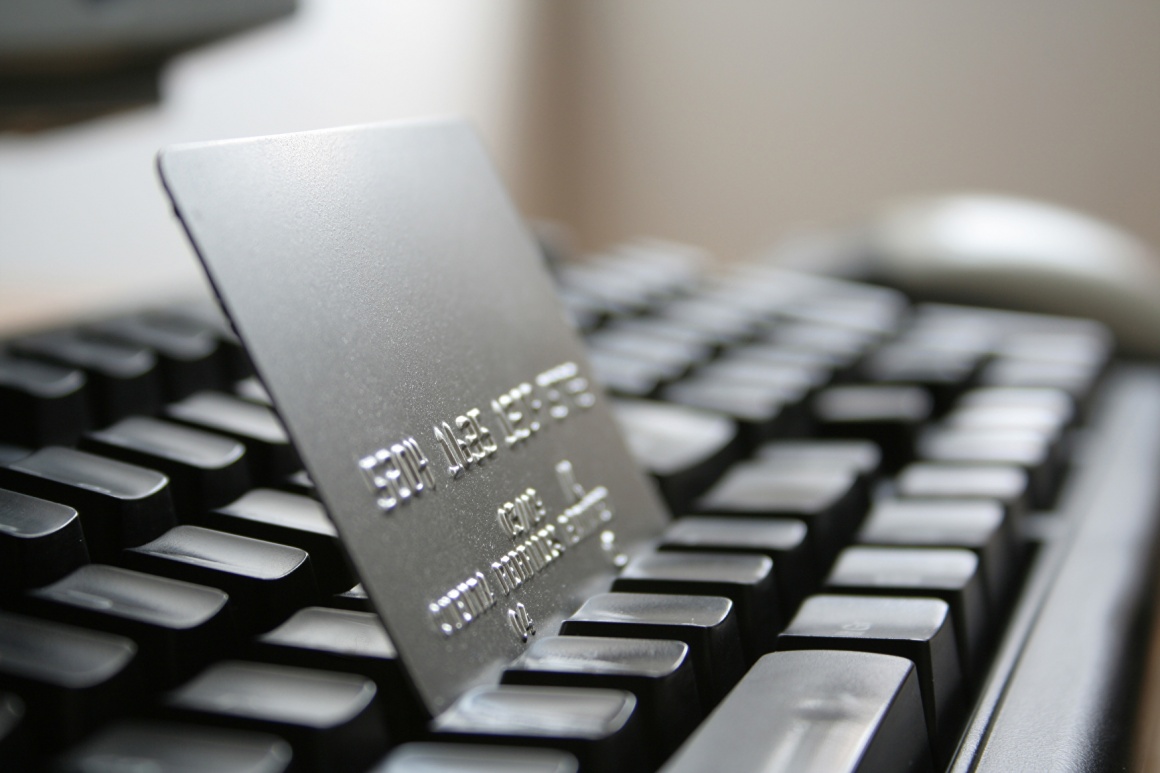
(401,320)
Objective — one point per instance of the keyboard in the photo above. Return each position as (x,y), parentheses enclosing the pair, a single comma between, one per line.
(858,532)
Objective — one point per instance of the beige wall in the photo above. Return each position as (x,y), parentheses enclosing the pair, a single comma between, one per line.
(726,123)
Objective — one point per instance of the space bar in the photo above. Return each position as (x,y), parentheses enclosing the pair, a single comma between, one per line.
(815,711)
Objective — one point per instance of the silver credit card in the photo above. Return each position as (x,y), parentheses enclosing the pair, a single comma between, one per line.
(401,319)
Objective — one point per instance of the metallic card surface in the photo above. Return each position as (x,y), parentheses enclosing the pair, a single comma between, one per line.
(400,317)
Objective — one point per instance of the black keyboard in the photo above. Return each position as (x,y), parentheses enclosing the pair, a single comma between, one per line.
(905,537)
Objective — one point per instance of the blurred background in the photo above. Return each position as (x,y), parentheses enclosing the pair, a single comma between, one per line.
(725,124)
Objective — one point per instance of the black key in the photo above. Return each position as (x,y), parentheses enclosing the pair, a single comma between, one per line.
(10,453)
(791,378)
(979,525)
(830,501)
(706,623)
(251,389)
(598,726)
(679,355)
(136,747)
(188,354)
(355,642)
(1039,453)
(208,316)
(747,580)
(662,328)
(658,672)
(15,740)
(354,599)
(782,539)
(179,626)
(39,541)
(1039,418)
(289,519)
(121,505)
(123,378)
(69,678)
(266,581)
(272,457)
(815,712)
(1055,401)
(762,413)
(945,373)
(300,483)
(845,344)
(1002,482)
(947,573)
(466,758)
(1077,379)
(818,364)
(684,449)
(889,416)
(862,456)
(204,470)
(331,720)
(42,403)
(629,376)
(728,324)
(913,628)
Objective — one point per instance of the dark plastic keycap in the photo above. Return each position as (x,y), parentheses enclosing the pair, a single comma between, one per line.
(468,758)
(889,416)
(179,626)
(831,502)
(682,355)
(1039,418)
(843,343)
(658,672)
(760,412)
(39,541)
(15,741)
(1075,378)
(300,483)
(1054,401)
(42,403)
(1039,453)
(345,640)
(747,580)
(266,581)
(289,519)
(188,354)
(728,324)
(683,448)
(123,378)
(818,711)
(331,720)
(1002,482)
(947,573)
(979,525)
(354,599)
(70,679)
(782,539)
(707,624)
(945,373)
(600,727)
(120,505)
(631,377)
(205,470)
(272,457)
(914,628)
(208,316)
(154,747)
(862,456)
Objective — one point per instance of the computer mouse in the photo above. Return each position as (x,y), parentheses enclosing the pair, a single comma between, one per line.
(1011,252)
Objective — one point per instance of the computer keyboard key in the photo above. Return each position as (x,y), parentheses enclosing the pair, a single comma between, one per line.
(120,505)
(289,519)
(889,416)
(468,758)
(355,599)
(40,541)
(658,672)
(707,624)
(123,378)
(945,373)
(142,746)
(728,324)
(950,574)
(980,525)
(331,720)
(205,470)
(207,316)
(862,456)
(831,502)
(914,628)
(266,581)
(1039,453)
(42,403)
(846,344)
(1055,401)
(664,351)
(747,580)
(272,457)
(1075,378)
(1005,483)
(761,413)
(782,539)
(188,354)
(820,711)
(599,726)
(1038,418)
(15,744)
(684,449)
(630,377)
(69,678)
(179,627)
(354,642)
